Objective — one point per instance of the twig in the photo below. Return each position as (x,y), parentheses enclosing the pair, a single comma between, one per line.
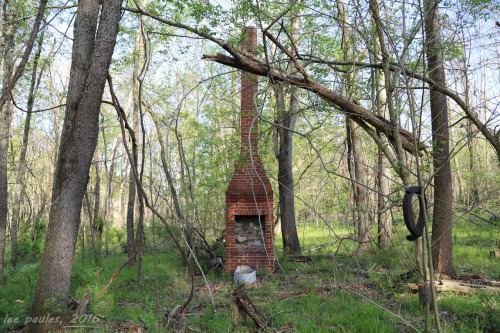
(124,125)
(115,275)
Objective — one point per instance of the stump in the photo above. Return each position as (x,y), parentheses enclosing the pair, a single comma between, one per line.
(238,313)
(424,295)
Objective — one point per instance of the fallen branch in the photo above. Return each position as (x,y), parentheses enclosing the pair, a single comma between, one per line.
(241,305)
(344,104)
(115,275)
(306,291)
(457,286)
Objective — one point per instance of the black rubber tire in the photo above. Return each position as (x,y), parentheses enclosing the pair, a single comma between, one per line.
(415,230)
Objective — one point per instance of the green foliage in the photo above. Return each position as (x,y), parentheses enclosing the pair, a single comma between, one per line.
(31,240)
(51,305)
(83,276)
(323,306)
(117,238)
(20,285)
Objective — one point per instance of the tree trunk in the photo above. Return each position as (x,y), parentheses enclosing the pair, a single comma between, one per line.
(9,27)
(91,228)
(443,195)
(123,183)
(285,178)
(284,150)
(96,225)
(130,217)
(286,120)
(358,173)
(355,158)
(384,220)
(89,68)
(109,192)
(138,67)
(470,135)
(19,201)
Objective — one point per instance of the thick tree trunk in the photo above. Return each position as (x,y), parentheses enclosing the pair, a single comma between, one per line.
(89,68)
(286,120)
(443,194)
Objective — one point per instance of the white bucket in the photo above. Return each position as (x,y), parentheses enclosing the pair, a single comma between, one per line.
(245,274)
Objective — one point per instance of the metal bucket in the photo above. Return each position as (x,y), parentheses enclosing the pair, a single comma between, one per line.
(245,274)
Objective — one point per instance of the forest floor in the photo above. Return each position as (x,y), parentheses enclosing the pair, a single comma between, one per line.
(333,292)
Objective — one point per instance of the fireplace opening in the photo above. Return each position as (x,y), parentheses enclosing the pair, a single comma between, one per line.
(249,232)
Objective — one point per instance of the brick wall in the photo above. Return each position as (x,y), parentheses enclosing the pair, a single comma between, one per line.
(249,191)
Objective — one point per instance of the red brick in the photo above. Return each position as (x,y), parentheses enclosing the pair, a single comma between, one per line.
(249,191)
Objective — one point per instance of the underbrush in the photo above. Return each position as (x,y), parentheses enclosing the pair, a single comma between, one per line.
(334,290)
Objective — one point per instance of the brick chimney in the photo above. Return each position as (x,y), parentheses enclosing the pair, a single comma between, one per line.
(249,196)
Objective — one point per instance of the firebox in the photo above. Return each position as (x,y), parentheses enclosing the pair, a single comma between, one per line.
(249,196)
(249,232)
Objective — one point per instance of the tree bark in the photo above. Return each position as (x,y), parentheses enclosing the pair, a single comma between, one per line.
(442,257)
(91,228)
(109,192)
(96,225)
(123,184)
(9,28)
(89,67)
(136,96)
(354,156)
(286,120)
(19,200)
(470,135)
(384,221)
(130,216)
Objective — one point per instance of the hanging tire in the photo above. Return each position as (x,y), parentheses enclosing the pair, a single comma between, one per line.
(415,230)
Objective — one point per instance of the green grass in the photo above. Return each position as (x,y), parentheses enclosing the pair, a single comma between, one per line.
(328,294)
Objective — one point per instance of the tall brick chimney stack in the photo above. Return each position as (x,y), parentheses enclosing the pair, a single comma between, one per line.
(249,195)
(249,89)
